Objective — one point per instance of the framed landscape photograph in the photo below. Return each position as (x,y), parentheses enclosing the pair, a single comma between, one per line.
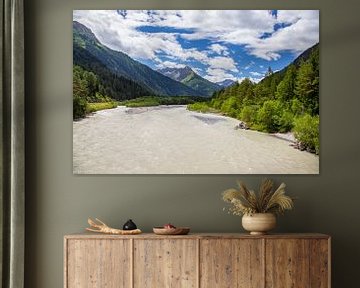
(196,92)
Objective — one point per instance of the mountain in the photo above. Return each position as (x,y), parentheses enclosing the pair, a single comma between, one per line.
(306,55)
(122,65)
(188,77)
(177,74)
(112,85)
(226,83)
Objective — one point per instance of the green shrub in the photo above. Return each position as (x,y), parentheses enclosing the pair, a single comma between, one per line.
(269,116)
(79,107)
(273,116)
(93,107)
(286,121)
(248,114)
(147,103)
(199,106)
(216,104)
(306,131)
(296,107)
(230,107)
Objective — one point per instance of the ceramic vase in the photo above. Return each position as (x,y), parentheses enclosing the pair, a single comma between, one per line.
(259,223)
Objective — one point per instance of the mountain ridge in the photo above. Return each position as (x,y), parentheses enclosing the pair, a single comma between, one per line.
(123,65)
(226,83)
(189,77)
(177,74)
(297,61)
(115,86)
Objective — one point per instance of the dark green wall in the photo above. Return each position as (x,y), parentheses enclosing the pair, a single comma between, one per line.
(59,203)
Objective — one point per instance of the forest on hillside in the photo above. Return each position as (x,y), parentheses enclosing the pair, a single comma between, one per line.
(287,100)
(100,86)
(104,90)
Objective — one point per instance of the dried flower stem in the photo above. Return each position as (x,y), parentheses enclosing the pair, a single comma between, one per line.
(245,201)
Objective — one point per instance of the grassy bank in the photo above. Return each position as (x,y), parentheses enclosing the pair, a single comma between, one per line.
(305,127)
(148,101)
(93,107)
(202,107)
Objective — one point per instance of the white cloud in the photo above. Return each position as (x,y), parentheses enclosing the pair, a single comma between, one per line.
(222,27)
(218,75)
(300,35)
(219,49)
(246,28)
(220,62)
(256,74)
(169,64)
(219,24)
(198,70)
(121,34)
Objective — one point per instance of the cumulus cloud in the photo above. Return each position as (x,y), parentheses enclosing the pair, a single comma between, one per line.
(218,75)
(169,64)
(219,49)
(302,32)
(122,34)
(246,27)
(220,62)
(241,27)
(256,74)
(198,70)
(125,30)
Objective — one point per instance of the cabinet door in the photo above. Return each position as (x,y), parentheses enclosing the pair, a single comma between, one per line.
(165,263)
(98,263)
(320,263)
(231,263)
(287,263)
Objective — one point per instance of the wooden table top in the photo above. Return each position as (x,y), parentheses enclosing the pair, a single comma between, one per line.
(89,235)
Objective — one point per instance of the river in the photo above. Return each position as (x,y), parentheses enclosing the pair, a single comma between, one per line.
(173,140)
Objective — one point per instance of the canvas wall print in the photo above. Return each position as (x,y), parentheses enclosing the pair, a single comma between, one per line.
(196,92)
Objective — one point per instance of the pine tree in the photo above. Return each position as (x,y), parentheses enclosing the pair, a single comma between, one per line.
(246,91)
(269,72)
(285,89)
(307,87)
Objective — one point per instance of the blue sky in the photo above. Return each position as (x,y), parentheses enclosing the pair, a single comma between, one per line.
(217,44)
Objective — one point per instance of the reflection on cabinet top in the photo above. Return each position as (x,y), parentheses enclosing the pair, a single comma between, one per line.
(200,236)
